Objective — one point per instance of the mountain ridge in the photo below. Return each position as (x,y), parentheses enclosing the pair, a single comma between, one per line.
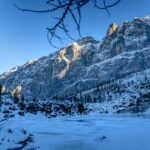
(84,64)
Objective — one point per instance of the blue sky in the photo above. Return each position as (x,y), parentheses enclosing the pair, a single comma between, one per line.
(23,35)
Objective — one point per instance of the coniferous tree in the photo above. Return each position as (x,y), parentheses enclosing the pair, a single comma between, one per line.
(1,92)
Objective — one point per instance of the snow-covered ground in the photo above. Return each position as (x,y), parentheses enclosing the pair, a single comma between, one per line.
(87,132)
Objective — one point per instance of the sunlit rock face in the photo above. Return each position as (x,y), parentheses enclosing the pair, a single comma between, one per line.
(85,63)
(112,28)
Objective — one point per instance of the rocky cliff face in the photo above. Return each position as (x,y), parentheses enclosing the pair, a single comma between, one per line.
(112,28)
(85,64)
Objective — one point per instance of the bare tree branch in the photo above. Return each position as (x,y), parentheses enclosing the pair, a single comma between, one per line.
(68,7)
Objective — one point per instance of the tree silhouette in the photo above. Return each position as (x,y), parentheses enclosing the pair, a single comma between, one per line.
(1,87)
(68,7)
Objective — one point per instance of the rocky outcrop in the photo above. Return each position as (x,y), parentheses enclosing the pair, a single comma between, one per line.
(112,28)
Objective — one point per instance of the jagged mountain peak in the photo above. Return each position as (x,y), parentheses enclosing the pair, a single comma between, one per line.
(112,28)
(128,36)
(86,40)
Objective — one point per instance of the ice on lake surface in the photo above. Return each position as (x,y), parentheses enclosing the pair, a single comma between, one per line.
(91,132)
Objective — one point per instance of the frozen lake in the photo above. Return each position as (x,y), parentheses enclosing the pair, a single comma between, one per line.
(92,132)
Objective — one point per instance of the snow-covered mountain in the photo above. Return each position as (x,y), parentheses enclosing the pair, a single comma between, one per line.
(114,71)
